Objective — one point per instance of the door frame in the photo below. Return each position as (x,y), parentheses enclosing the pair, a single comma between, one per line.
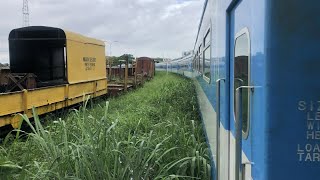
(231,37)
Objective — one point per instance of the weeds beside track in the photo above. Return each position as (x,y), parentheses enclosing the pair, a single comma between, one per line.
(154,132)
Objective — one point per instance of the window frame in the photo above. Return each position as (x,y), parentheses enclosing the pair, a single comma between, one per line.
(208,32)
(245,134)
(197,62)
(200,59)
(205,47)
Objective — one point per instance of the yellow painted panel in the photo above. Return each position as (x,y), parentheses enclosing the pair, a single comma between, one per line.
(80,38)
(76,90)
(50,108)
(47,99)
(77,100)
(101,85)
(100,93)
(85,61)
(14,119)
(11,103)
(6,120)
(45,96)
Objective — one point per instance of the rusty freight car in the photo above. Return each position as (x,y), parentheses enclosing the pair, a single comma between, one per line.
(145,66)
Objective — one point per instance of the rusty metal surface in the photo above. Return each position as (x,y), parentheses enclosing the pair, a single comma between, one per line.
(20,81)
(115,89)
(116,71)
(145,66)
(10,82)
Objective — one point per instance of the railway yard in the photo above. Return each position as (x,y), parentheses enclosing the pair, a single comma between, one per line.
(239,101)
(132,122)
(122,137)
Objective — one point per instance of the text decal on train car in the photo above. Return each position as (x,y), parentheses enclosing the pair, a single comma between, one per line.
(89,63)
(310,151)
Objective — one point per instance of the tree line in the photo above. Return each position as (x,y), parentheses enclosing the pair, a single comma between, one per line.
(116,60)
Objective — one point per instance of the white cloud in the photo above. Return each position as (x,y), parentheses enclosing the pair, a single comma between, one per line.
(141,27)
(174,9)
(145,1)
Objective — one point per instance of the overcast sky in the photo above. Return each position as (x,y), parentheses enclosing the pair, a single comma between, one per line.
(153,28)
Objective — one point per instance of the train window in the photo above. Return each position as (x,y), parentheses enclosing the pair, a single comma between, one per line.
(206,40)
(241,76)
(198,59)
(193,64)
(201,63)
(207,57)
(207,62)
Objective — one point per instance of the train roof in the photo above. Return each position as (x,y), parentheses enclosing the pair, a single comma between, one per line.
(44,32)
(201,19)
(145,59)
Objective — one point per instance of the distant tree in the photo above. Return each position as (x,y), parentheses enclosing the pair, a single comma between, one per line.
(115,59)
(130,57)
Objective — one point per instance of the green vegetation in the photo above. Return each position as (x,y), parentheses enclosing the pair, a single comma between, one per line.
(151,133)
(116,59)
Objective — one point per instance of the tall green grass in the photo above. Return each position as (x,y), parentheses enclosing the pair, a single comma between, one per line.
(151,133)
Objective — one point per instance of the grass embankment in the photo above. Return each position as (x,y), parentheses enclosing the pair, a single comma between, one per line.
(152,133)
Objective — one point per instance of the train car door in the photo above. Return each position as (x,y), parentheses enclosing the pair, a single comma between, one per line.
(239,92)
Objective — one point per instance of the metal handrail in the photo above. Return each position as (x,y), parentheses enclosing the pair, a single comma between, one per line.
(218,126)
(238,153)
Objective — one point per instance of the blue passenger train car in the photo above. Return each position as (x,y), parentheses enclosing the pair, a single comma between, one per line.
(182,65)
(256,63)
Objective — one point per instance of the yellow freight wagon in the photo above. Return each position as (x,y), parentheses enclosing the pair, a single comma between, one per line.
(65,68)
